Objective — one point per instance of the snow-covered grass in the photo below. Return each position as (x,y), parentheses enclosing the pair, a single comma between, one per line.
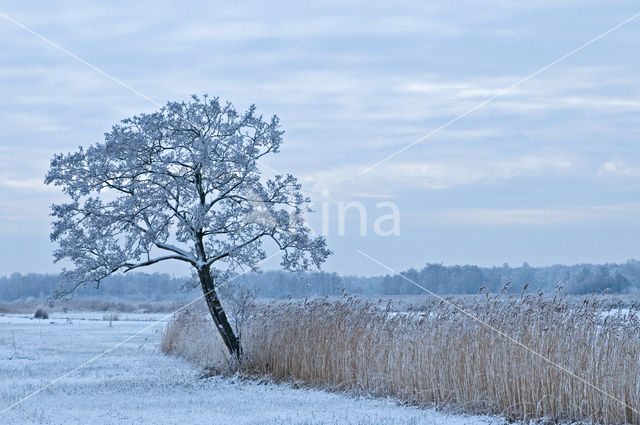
(136,384)
(439,355)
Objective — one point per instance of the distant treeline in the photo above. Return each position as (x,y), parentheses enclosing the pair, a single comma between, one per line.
(449,280)
(575,280)
(143,287)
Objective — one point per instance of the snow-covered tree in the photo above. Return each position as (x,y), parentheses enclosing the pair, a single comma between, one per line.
(181,184)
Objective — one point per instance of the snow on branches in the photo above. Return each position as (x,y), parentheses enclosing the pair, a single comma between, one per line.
(183,184)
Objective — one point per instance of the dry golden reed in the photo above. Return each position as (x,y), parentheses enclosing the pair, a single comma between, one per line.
(437,355)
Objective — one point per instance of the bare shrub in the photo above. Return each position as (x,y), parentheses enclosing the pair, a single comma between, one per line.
(111,316)
(41,313)
(440,356)
(239,303)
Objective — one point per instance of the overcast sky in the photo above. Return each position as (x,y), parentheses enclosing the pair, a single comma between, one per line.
(547,173)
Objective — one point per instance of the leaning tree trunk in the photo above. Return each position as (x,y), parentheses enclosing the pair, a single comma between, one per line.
(217,313)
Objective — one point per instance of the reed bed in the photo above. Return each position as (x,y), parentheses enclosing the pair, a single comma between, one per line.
(437,355)
(193,336)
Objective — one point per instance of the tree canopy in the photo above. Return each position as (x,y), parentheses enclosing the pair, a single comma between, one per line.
(185,184)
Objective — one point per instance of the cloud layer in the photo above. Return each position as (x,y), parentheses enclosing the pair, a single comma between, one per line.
(352,84)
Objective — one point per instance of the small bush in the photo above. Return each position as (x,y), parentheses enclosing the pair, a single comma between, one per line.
(41,313)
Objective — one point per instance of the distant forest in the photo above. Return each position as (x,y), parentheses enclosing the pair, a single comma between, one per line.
(444,280)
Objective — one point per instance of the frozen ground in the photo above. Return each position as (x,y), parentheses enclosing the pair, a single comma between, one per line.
(136,384)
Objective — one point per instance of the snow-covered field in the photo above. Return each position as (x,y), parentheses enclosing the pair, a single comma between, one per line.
(136,384)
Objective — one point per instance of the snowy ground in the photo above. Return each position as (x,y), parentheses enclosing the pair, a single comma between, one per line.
(136,384)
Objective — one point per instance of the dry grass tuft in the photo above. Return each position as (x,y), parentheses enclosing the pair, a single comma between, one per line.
(193,336)
(439,356)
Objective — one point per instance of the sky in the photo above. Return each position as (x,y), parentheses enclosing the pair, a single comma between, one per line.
(546,173)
